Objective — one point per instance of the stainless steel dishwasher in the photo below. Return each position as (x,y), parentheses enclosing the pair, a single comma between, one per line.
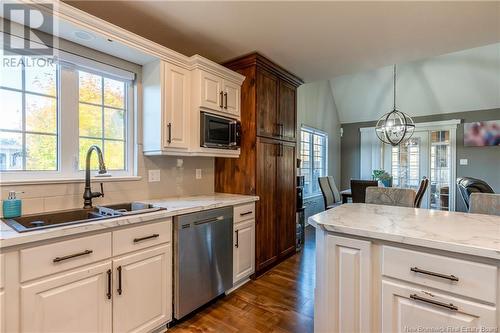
(203,258)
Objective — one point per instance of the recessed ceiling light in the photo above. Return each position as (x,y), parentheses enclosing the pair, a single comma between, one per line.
(83,35)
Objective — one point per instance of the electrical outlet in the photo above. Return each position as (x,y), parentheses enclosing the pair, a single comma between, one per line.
(464,161)
(198,174)
(154,176)
(180,162)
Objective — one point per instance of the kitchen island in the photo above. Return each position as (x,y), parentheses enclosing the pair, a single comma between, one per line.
(396,269)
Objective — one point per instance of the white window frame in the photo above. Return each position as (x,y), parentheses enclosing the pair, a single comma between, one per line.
(68,129)
(314,131)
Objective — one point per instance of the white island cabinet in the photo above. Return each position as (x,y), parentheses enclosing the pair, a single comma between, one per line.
(394,269)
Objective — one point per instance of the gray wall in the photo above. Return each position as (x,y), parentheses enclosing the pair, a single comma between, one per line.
(484,162)
(316,108)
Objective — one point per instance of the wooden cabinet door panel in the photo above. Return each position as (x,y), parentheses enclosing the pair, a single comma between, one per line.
(145,300)
(176,129)
(265,228)
(401,313)
(244,250)
(68,302)
(285,199)
(287,122)
(267,104)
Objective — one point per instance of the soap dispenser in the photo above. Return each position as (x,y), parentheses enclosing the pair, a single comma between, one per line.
(12,207)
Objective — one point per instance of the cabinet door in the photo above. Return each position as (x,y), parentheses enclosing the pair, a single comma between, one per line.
(286,198)
(265,227)
(267,104)
(211,91)
(176,107)
(402,313)
(68,302)
(2,294)
(343,292)
(232,98)
(287,122)
(144,300)
(243,250)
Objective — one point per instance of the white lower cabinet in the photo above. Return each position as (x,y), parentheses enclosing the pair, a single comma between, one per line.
(142,294)
(75,301)
(343,289)
(243,250)
(407,308)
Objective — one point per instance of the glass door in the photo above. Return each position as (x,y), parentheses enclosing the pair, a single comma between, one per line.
(425,154)
(409,163)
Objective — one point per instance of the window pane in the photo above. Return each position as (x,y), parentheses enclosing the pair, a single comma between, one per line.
(114,155)
(41,114)
(11,151)
(114,124)
(84,147)
(90,120)
(11,110)
(41,79)
(41,152)
(11,77)
(90,88)
(114,93)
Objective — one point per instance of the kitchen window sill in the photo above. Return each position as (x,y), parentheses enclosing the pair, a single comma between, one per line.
(69,180)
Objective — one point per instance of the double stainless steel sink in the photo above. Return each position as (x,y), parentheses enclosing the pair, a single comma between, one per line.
(77,216)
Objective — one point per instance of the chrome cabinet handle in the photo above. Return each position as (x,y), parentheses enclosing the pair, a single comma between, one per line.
(119,289)
(449,306)
(169,140)
(237,239)
(225,100)
(59,259)
(108,294)
(439,275)
(281,129)
(221,94)
(137,240)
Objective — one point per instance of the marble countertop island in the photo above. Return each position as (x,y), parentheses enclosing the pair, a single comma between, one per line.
(473,234)
(174,206)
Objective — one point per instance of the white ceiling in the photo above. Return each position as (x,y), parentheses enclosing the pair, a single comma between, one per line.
(315,40)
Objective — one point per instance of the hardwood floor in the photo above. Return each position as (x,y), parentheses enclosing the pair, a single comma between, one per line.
(282,300)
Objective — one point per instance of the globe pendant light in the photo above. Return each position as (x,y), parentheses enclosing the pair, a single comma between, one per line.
(394,127)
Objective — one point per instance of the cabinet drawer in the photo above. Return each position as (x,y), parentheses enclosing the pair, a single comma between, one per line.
(52,258)
(244,212)
(456,276)
(131,239)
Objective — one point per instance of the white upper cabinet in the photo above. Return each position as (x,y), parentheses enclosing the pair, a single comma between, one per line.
(166,107)
(231,98)
(174,95)
(216,94)
(211,91)
(176,107)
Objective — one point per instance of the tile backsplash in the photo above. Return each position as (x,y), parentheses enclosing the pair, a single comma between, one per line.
(175,181)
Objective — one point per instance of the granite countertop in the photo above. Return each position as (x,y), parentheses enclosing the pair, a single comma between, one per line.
(473,234)
(174,206)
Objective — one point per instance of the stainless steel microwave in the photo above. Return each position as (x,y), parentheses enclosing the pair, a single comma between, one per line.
(219,132)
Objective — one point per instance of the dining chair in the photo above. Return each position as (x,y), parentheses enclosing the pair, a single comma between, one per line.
(329,197)
(424,183)
(485,203)
(390,196)
(335,190)
(358,189)
(469,185)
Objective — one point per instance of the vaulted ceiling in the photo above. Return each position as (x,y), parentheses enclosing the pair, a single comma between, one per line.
(315,40)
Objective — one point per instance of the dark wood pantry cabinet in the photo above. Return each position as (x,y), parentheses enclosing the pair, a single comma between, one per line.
(266,166)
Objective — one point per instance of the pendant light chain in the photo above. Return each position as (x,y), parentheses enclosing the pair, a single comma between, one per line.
(394,87)
(394,127)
